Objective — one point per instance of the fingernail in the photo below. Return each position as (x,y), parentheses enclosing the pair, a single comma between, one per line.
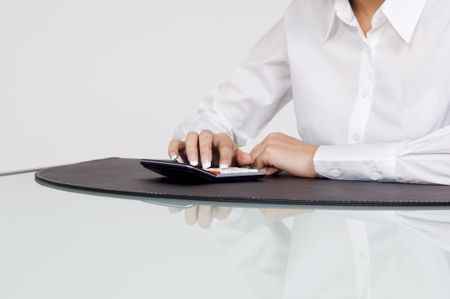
(206,164)
(174,157)
(194,163)
(223,166)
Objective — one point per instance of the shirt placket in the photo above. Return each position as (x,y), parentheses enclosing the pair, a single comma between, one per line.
(356,129)
(364,98)
(355,134)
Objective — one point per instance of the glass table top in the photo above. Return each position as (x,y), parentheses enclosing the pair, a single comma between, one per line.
(59,244)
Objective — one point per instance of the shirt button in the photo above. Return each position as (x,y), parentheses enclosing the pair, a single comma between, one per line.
(335,173)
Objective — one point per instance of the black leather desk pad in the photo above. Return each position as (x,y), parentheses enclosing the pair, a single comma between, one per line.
(128,177)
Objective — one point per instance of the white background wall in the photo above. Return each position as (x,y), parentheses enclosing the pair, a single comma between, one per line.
(86,79)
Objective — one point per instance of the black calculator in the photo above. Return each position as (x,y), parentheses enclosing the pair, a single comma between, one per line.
(183,171)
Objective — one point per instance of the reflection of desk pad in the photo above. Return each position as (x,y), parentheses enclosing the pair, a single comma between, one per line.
(128,177)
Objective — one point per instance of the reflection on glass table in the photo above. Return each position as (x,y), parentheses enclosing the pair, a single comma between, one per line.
(61,244)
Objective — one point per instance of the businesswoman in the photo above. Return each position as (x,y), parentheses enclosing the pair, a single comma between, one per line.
(370,82)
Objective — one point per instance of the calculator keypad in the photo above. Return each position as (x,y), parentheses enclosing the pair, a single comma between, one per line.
(229,170)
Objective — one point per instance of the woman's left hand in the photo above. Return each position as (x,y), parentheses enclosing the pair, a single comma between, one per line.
(279,152)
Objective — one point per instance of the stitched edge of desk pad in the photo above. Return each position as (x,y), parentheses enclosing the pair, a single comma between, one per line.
(128,177)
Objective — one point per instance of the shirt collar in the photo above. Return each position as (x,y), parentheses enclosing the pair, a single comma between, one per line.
(402,15)
(341,8)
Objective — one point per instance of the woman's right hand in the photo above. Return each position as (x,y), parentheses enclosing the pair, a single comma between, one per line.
(209,149)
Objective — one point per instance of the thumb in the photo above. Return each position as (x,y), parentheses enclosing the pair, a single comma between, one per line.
(243,158)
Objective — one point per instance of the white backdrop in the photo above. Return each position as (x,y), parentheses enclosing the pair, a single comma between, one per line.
(86,79)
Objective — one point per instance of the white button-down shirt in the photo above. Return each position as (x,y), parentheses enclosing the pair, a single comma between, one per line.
(378,107)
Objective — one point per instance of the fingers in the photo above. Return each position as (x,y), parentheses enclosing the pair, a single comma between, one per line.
(222,213)
(206,147)
(226,149)
(243,158)
(259,156)
(264,151)
(191,215)
(201,213)
(196,145)
(271,170)
(174,148)
(205,141)
(256,151)
(205,216)
(200,148)
(175,209)
(229,153)
(192,148)
(260,163)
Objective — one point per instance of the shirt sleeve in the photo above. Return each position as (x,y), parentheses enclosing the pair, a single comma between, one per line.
(257,89)
(425,160)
